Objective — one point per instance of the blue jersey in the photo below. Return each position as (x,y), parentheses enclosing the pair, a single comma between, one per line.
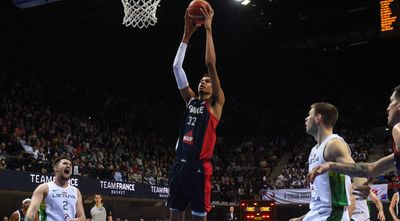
(198,132)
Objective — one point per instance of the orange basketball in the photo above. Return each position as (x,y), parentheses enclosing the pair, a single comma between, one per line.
(194,11)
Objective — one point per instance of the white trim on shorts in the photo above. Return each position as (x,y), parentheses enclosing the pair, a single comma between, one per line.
(199,214)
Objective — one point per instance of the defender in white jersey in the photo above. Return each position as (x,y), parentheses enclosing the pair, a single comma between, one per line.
(63,201)
(359,209)
(330,192)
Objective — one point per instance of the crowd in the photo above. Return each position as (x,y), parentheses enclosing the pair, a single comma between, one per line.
(122,139)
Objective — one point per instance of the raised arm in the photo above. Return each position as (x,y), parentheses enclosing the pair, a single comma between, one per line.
(210,58)
(180,76)
(37,197)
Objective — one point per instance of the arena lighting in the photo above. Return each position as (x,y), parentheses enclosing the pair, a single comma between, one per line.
(245,2)
(31,3)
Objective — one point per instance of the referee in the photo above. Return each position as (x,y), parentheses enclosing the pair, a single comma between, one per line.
(100,212)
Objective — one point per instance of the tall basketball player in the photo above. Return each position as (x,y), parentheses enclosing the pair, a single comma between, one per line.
(63,201)
(330,193)
(191,174)
(381,166)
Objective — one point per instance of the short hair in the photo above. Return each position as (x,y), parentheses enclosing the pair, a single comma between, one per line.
(58,159)
(328,112)
(396,91)
(206,75)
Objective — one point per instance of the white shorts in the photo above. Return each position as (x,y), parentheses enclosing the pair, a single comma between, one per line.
(336,214)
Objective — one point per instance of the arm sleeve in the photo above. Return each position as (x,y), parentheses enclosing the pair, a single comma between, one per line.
(179,73)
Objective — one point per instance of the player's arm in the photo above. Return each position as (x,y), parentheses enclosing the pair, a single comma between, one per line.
(352,206)
(392,206)
(37,197)
(14,216)
(210,58)
(180,76)
(338,150)
(378,204)
(382,166)
(80,212)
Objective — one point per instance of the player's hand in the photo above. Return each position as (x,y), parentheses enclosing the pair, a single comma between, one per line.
(295,219)
(208,14)
(381,216)
(318,170)
(190,27)
(361,192)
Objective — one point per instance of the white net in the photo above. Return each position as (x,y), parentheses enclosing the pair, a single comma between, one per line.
(140,13)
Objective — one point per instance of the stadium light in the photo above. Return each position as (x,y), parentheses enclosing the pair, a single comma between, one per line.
(245,2)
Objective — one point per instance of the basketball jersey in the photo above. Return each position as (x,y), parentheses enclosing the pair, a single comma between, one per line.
(198,132)
(21,215)
(330,190)
(60,202)
(361,211)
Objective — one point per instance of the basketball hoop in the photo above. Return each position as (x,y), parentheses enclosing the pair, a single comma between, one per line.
(140,13)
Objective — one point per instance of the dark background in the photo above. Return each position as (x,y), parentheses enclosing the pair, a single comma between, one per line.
(298,50)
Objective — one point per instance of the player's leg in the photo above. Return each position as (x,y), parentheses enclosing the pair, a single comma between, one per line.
(177,201)
(201,192)
(176,215)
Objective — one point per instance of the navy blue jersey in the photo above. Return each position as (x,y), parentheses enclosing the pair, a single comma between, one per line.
(21,215)
(198,132)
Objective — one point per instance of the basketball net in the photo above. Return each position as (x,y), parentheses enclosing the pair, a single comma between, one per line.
(140,13)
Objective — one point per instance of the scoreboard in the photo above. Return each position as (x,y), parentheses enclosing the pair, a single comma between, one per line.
(257,210)
(390,21)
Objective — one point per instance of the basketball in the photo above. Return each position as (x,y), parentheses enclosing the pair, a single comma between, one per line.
(194,11)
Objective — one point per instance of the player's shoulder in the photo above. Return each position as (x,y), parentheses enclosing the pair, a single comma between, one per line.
(396,134)
(336,147)
(15,213)
(43,187)
(337,142)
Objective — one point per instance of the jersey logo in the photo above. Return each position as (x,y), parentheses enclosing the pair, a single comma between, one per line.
(188,138)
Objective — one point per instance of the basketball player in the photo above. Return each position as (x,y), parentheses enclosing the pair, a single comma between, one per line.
(191,174)
(379,167)
(330,193)
(19,215)
(63,201)
(359,210)
(394,207)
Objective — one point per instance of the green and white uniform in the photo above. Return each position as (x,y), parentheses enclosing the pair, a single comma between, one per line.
(361,211)
(60,203)
(330,191)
